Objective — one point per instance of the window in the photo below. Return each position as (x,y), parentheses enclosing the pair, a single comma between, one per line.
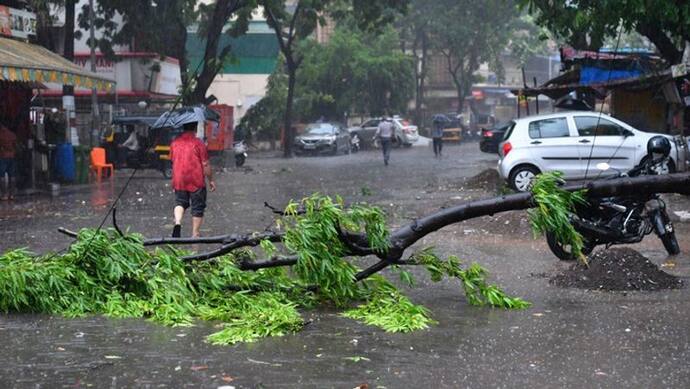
(509,131)
(371,123)
(594,126)
(549,128)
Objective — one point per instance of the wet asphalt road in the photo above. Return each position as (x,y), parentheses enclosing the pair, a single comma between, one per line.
(569,338)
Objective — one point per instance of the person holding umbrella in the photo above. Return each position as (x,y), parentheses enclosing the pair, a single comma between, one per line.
(437,134)
(190,170)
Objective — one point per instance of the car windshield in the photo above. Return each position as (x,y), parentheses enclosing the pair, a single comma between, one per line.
(320,129)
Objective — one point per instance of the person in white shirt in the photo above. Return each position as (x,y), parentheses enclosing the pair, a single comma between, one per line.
(384,133)
(132,143)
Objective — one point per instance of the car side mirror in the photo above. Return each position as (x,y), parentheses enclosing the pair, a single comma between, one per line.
(627,133)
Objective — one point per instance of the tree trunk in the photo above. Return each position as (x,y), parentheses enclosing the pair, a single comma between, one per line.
(408,235)
(420,75)
(44,35)
(289,131)
(212,59)
(667,48)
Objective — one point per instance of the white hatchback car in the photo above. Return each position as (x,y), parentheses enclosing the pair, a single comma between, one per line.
(572,143)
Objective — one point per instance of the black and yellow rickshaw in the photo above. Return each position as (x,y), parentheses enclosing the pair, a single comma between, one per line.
(154,143)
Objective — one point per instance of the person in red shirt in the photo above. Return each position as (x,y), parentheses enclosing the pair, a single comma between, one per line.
(8,165)
(190,169)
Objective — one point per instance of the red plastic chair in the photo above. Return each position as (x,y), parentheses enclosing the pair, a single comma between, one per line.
(98,164)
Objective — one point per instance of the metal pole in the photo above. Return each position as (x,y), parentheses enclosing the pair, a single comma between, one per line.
(94,92)
(536,99)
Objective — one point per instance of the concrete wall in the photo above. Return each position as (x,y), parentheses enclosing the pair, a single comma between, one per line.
(239,90)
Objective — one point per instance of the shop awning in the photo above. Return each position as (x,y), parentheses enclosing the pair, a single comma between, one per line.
(25,62)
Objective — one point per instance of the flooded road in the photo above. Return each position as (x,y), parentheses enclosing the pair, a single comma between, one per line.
(569,338)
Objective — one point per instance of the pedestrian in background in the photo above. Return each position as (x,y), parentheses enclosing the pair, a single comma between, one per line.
(190,169)
(437,136)
(384,133)
(8,163)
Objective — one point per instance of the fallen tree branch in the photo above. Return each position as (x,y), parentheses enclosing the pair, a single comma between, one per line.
(273,262)
(404,237)
(223,239)
(352,242)
(407,235)
(237,242)
(67,232)
(115,223)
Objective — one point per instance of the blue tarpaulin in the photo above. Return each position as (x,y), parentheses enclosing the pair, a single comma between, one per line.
(593,75)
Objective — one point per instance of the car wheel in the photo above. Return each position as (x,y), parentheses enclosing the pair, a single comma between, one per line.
(167,169)
(521,177)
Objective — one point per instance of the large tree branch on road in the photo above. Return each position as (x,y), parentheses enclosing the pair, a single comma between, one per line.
(403,238)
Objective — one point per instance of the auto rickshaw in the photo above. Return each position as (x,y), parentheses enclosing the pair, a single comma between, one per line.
(154,143)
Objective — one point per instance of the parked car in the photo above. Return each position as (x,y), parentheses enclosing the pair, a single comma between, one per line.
(492,137)
(573,143)
(320,138)
(405,133)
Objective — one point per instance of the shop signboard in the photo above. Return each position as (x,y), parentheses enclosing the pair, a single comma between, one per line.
(16,22)
(167,80)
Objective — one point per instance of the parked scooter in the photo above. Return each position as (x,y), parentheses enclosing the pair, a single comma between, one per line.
(627,218)
(240,149)
(354,142)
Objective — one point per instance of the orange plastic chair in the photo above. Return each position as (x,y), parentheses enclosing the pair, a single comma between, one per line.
(98,165)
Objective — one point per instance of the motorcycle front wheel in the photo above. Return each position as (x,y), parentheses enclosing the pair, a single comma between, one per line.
(670,243)
(239,160)
(564,253)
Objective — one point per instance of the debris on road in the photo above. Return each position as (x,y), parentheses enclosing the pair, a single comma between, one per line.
(617,269)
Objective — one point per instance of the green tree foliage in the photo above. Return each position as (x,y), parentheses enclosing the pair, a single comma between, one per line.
(105,273)
(552,212)
(586,24)
(376,79)
(161,27)
(295,21)
(469,33)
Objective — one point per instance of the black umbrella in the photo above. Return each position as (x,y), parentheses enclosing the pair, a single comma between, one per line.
(568,102)
(184,115)
(438,118)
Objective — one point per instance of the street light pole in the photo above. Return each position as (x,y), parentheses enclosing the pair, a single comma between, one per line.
(94,92)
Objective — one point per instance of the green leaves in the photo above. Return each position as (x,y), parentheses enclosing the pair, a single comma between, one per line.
(389,310)
(104,273)
(473,280)
(552,211)
(313,237)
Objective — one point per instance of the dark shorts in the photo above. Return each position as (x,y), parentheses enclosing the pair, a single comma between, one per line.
(9,166)
(196,199)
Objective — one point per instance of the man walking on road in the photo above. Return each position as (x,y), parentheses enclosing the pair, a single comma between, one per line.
(190,169)
(384,133)
(437,136)
(8,164)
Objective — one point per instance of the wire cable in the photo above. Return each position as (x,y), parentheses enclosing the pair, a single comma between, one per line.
(129,179)
(601,109)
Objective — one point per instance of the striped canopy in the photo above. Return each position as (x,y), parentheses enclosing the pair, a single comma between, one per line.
(25,62)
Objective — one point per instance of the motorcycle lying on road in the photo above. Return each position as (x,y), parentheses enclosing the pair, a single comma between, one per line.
(623,219)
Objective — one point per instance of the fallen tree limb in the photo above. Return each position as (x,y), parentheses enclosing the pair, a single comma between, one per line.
(356,244)
(407,235)
(273,262)
(238,241)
